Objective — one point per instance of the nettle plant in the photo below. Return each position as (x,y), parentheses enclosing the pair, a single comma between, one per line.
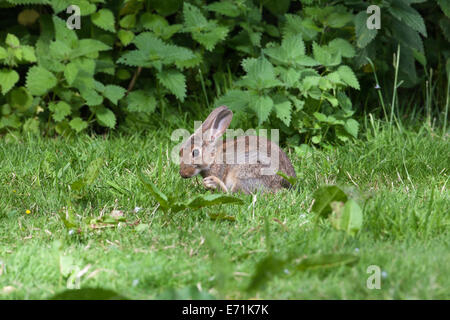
(298,84)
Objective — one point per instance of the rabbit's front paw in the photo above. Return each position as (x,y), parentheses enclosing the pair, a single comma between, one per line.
(212,182)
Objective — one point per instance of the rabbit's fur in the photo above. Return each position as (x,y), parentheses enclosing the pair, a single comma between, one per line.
(237,164)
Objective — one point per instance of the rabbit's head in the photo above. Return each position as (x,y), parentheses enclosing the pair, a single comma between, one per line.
(199,151)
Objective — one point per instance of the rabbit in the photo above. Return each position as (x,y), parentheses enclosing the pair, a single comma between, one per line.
(240,164)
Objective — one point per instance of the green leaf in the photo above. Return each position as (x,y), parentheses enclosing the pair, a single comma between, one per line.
(347,75)
(91,96)
(323,198)
(28,54)
(408,15)
(155,192)
(292,180)
(235,99)
(12,41)
(141,101)
(8,79)
(60,110)
(78,124)
(207,33)
(3,53)
(125,36)
(87,47)
(283,111)
(114,93)
(212,199)
(364,35)
(104,19)
(339,19)
(128,22)
(260,74)
(70,72)
(343,47)
(445,6)
(265,270)
(105,117)
(20,98)
(174,81)
(262,107)
(325,261)
(226,8)
(39,80)
(352,126)
(348,218)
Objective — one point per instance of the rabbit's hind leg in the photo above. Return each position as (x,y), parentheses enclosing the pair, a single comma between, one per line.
(212,182)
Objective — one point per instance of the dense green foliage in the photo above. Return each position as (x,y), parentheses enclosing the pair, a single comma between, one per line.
(285,64)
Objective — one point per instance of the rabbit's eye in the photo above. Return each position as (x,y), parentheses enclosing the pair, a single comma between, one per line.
(195,152)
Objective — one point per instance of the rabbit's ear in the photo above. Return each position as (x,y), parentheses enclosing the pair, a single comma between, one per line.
(220,123)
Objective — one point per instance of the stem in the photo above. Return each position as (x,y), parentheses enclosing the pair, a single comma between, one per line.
(133,80)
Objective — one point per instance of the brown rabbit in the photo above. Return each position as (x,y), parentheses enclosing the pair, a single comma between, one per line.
(245,163)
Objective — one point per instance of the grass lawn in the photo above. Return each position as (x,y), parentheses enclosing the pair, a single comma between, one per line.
(400,179)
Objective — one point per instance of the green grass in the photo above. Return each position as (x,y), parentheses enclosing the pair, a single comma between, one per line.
(401,180)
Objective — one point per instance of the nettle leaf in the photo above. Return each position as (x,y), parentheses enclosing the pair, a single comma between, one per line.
(125,36)
(88,46)
(348,76)
(78,124)
(28,54)
(283,111)
(291,52)
(226,8)
(408,15)
(343,47)
(235,99)
(40,81)
(445,6)
(159,25)
(60,110)
(154,52)
(104,19)
(91,96)
(207,33)
(59,50)
(326,56)
(305,26)
(352,126)
(19,98)
(262,106)
(12,41)
(114,93)
(8,78)
(64,34)
(339,19)
(105,117)
(174,81)
(3,53)
(364,35)
(141,101)
(260,74)
(70,72)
